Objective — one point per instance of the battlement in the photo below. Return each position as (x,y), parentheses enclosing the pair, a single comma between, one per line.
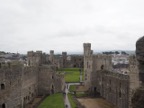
(87,44)
(39,52)
(30,53)
(64,53)
(51,52)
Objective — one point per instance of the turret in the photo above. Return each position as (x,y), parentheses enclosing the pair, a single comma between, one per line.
(64,59)
(51,57)
(87,49)
(140,58)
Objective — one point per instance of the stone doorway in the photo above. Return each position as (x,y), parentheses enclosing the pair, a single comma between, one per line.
(3,105)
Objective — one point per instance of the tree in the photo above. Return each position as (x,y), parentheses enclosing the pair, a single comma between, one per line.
(116,52)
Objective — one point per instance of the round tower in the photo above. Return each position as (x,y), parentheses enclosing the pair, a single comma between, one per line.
(140,58)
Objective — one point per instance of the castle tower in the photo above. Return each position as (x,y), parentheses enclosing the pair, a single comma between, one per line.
(51,57)
(34,58)
(137,79)
(133,77)
(88,59)
(140,58)
(38,58)
(64,59)
(30,55)
(87,49)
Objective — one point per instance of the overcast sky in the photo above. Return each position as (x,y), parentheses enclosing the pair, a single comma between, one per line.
(64,25)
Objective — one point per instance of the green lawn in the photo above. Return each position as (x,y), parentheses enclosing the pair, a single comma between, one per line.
(72,88)
(71,74)
(81,94)
(73,104)
(53,101)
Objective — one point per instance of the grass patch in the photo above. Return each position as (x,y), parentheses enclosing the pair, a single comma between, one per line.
(73,104)
(53,101)
(71,74)
(81,94)
(72,88)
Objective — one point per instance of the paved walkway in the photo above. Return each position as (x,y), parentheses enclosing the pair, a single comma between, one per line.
(66,97)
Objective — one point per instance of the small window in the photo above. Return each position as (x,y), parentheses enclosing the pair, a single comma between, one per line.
(87,64)
(28,98)
(29,63)
(52,77)
(32,95)
(24,98)
(120,94)
(2,86)
(110,82)
(110,89)
(120,85)
(102,67)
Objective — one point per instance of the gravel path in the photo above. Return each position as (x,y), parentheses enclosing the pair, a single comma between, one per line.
(95,103)
(66,97)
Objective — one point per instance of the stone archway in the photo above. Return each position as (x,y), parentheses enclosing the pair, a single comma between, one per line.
(3,105)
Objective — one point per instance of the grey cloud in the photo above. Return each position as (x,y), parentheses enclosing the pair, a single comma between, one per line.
(50,23)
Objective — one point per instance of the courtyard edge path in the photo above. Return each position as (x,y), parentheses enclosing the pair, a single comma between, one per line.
(66,99)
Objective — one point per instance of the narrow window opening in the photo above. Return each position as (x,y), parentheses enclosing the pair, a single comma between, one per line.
(52,77)
(120,94)
(2,86)
(102,67)
(87,64)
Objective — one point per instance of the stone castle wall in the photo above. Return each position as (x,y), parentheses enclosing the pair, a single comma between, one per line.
(101,78)
(70,61)
(113,86)
(29,84)
(49,81)
(11,84)
(20,84)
